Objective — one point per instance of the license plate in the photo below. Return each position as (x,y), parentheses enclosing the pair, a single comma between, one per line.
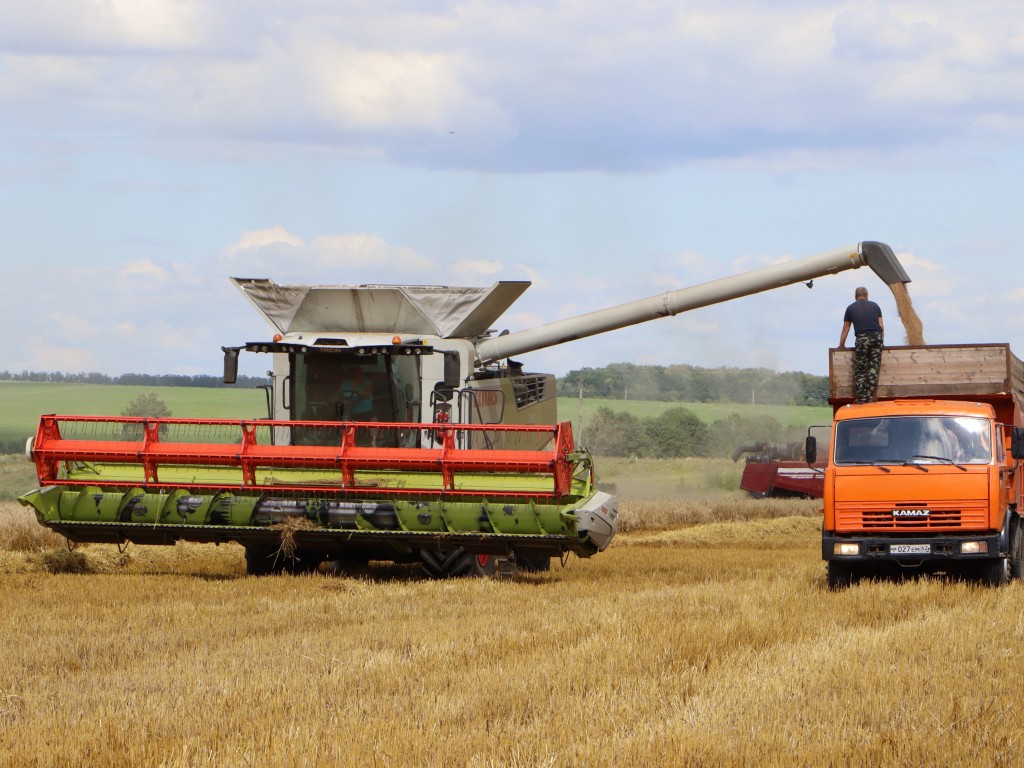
(910,549)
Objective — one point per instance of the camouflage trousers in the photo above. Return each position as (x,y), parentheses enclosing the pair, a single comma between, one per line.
(867,359)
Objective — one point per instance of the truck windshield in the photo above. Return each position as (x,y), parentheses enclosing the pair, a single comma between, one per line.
(916,439)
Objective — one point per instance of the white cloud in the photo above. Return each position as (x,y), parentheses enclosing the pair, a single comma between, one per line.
(909,259)
(342,258)
(701,326)
(539,281)
(362,251)
(105,26)
(74,328)
(47,357)
(261,238)
(145,269)
(495,85)
(471,271)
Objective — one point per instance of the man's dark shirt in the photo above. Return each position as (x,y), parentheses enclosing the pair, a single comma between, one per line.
(864,315)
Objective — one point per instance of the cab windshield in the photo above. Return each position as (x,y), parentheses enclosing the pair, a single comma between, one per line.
(914,439)
(348,387)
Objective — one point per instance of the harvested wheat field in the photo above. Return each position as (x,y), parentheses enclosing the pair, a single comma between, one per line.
(704,636)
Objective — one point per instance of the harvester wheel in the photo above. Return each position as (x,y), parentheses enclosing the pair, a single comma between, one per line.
(841,575)
(533,563)
(260,561)
(300,562)
(347,566)
(442,564)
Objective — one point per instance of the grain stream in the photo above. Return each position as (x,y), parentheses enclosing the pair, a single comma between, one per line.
(912,325)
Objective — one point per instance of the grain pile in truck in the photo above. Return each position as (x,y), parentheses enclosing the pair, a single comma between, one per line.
(400,428)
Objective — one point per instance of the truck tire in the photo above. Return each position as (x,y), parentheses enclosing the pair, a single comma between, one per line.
(1016,552)
(994,572)
(842,575)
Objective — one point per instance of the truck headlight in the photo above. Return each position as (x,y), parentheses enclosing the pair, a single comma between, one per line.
(846,548)
(973,547)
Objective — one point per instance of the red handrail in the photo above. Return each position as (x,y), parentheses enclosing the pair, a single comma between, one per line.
(153,444)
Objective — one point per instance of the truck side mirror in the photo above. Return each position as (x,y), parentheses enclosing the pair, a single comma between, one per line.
(811,449)
(1017,443)
(230,364)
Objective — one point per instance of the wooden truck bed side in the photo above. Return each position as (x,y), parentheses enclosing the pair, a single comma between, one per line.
(933,371)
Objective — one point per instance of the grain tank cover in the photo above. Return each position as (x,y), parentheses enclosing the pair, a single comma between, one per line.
(427,310)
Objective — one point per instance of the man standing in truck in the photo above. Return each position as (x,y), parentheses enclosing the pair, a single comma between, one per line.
(866,318)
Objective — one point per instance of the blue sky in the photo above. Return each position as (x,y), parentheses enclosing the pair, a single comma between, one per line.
(151,148)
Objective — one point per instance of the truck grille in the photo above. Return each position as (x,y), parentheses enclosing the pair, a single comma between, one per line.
(967,517)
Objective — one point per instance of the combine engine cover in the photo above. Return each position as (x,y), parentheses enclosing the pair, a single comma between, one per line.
(348,491)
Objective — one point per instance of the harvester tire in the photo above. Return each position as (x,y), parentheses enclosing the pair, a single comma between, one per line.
(347,566)
(300,562)
(441,564)
(533,563)
(262,562)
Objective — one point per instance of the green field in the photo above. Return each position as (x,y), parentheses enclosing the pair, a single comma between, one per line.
(21,403)
(786,415)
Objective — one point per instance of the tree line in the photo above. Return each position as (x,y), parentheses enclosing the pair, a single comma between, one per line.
(134,379)
(678,432)
(690,384)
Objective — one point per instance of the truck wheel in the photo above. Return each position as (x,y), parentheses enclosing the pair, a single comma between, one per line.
(1017,552)
(994,572)
(842,575)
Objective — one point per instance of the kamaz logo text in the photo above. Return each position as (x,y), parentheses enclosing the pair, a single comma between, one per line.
(911,513)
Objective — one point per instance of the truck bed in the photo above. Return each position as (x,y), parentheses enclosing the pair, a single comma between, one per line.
(934,371)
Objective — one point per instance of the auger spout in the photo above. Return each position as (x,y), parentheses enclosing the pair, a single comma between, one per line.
(878,256)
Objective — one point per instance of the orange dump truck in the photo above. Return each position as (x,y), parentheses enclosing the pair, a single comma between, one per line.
(925,480)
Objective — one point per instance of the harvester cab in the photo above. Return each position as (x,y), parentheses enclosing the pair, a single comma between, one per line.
(399,428)
(378,354)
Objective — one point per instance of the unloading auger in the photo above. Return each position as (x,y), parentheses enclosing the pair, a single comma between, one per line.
(397,429)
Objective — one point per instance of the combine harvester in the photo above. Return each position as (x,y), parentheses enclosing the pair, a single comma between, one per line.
(399,429)
(780,471)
